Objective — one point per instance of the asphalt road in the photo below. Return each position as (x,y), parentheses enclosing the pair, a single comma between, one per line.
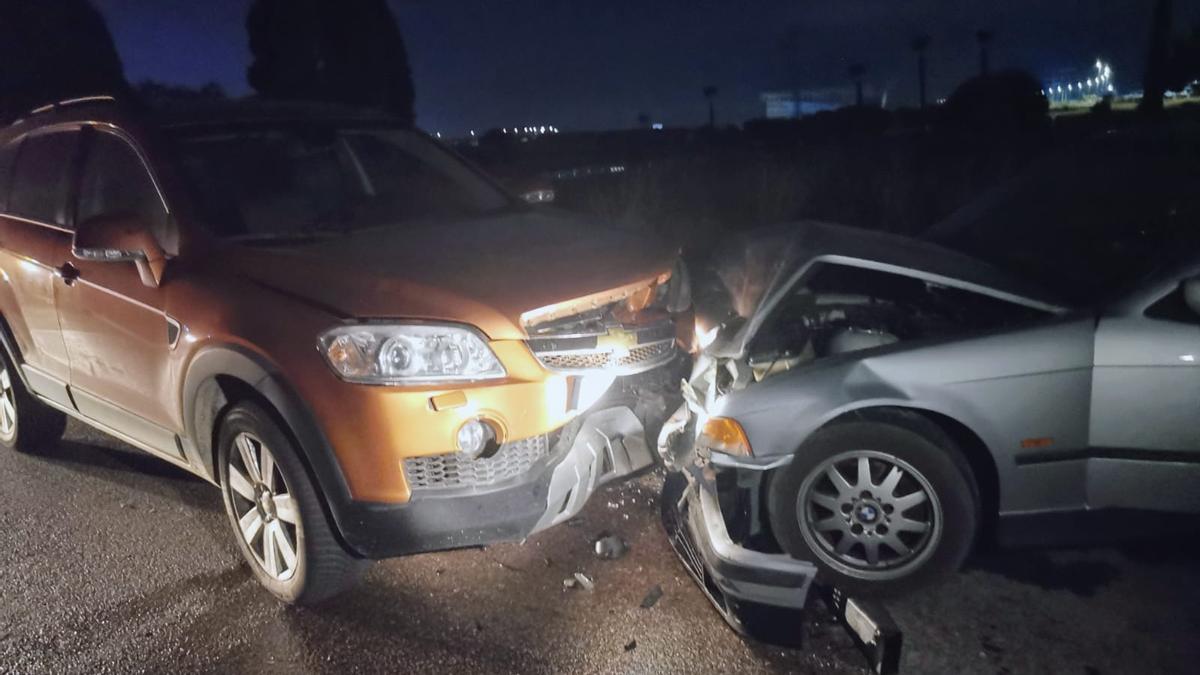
(111,561)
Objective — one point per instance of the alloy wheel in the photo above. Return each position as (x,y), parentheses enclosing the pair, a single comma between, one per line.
(8,406)
(869,514)
(268,519)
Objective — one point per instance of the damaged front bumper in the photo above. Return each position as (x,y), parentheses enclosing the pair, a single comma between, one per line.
(602,446)
(727,572)
(759,594)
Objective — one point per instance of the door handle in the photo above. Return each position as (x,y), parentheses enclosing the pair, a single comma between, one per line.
(68,273)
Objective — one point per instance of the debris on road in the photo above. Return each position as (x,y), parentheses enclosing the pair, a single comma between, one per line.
(585,581)
(610,547)
(652,597)
(579,580)
(631,645)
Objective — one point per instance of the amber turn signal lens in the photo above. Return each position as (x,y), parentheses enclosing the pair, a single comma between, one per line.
(721,434)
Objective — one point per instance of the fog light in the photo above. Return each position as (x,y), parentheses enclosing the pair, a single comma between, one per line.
(476,437)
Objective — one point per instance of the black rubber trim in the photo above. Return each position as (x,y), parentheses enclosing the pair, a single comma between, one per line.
(268,382)
(1051,456)
(1089,527)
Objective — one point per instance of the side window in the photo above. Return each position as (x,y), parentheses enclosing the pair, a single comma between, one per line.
(114,181)
(39,182)
(8,157)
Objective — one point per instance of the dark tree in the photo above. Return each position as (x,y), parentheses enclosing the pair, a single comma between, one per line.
(984,37)
(856,71)
(919,45)
(343,51)
(710,93)
(1154,82)
(161,95)
(1185,60)
(1002,105)
(51,50)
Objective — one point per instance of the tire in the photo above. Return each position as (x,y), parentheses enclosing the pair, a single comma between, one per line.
(917,540)
(282,512)
(26,424)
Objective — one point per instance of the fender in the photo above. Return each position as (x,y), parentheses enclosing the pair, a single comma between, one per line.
(205,397)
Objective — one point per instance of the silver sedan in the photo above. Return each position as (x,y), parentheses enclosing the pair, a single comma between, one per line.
(866,405)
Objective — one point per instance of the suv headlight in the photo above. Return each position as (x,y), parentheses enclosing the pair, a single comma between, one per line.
(408,354)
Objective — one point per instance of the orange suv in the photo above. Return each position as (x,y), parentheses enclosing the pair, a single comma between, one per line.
(370,348)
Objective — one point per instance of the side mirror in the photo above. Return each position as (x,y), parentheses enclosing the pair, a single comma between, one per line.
(121,238)
(1191,293)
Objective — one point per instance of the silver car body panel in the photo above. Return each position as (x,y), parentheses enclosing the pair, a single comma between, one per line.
(1080,410)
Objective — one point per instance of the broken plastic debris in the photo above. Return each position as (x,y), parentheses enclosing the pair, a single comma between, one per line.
(584,581)
(652,597)
(610,547)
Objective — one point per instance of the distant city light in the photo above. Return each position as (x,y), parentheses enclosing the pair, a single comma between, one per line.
(657,126)
(439,134)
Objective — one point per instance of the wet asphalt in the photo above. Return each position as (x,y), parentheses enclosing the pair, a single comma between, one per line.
(112,561)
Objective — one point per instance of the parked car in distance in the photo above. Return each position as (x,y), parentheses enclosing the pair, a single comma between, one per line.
(369,347)
(872,402)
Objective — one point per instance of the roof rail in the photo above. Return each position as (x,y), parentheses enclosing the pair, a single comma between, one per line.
(73,101)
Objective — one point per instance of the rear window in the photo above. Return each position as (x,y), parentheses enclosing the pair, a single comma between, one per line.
(39,182)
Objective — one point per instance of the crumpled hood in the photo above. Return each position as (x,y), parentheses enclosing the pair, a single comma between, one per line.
(759,268)
(485,272)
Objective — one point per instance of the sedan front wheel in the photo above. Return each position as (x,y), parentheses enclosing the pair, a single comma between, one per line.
(879,508)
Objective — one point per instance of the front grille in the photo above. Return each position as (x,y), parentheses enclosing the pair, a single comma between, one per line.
(436,472)
(576,361)
(635,360)
(647,353)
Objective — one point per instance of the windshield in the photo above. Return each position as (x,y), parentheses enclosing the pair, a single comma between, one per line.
(289,181)
(1088,223)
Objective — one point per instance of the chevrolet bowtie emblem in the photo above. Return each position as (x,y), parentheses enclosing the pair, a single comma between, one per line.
(618,341)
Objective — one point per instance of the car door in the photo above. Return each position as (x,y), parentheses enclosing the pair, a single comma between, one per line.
(35,240)
(118,338)
(1145,423)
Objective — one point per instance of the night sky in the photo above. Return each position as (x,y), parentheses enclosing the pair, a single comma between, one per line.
(593,64)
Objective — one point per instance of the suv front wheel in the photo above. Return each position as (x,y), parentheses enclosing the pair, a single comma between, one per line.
(276,514)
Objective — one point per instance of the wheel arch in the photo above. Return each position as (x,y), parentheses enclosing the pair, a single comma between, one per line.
(972,446)
(9,342)
(219,377)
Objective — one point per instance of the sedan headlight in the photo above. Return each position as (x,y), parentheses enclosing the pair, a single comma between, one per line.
(408,354)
